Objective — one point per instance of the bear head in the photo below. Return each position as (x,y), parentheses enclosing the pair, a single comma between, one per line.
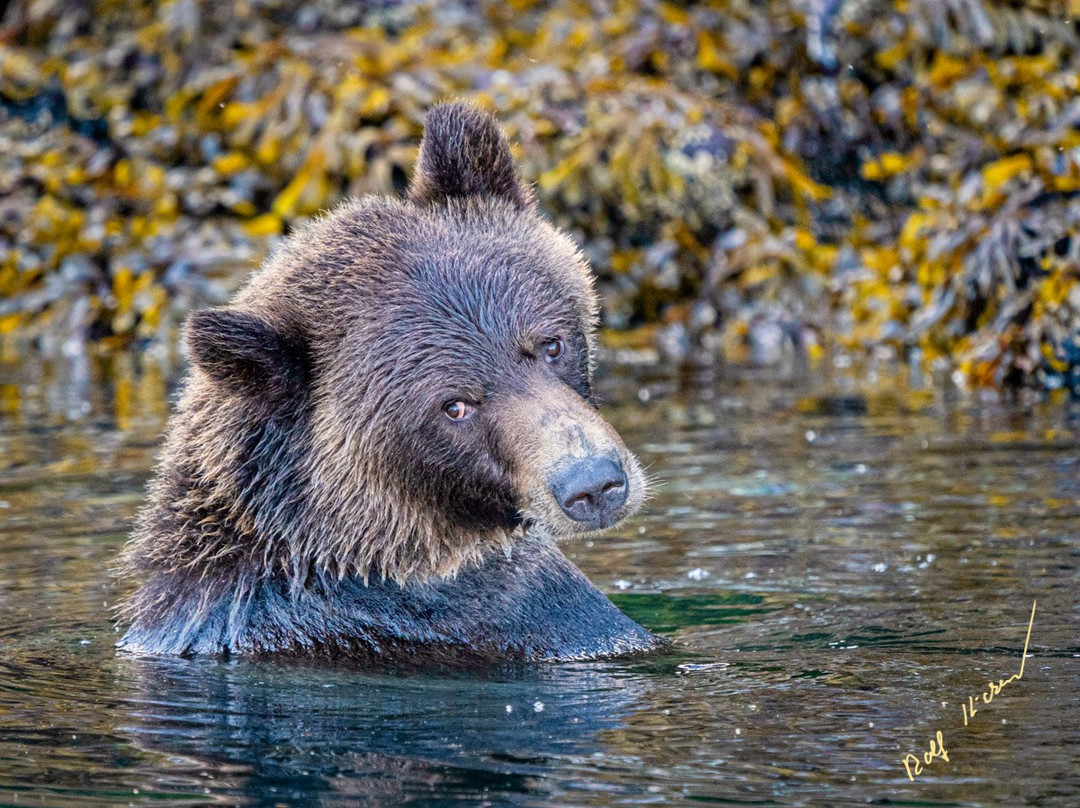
(403,387)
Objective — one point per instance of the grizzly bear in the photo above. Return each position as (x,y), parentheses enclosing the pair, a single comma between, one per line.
(382,437)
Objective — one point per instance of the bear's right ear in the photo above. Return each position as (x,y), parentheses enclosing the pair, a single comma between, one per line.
(464,153)
(247,354)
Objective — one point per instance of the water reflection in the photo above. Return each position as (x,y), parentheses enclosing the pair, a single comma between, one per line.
(314,731)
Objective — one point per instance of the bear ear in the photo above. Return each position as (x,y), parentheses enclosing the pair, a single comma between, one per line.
(464,153)
(247,354)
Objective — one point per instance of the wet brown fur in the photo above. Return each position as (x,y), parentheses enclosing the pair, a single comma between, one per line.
(310,438)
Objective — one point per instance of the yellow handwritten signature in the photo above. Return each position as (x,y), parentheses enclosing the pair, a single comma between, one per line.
(914,765)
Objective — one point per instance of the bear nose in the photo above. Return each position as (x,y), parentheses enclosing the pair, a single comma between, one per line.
(591,490)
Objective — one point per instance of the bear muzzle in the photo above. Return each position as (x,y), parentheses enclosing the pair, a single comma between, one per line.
(571,471)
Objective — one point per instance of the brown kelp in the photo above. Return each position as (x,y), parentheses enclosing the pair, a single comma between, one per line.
(893,177)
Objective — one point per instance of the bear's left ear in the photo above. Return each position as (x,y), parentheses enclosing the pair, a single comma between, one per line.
(244,353)
(464,153)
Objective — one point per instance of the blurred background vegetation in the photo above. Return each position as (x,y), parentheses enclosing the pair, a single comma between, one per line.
(886,179)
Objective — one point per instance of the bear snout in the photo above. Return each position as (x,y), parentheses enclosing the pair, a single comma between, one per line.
(572,475)
(591,490)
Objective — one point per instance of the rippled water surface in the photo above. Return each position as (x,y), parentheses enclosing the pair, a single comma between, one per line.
(840,566)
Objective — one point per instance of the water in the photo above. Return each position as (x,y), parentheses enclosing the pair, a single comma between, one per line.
(840,570)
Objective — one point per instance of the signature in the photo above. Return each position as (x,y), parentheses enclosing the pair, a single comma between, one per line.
(914,765)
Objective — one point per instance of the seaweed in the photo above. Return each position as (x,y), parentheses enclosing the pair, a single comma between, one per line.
(894,178)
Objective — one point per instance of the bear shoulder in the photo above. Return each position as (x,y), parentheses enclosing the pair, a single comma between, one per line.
(531,604)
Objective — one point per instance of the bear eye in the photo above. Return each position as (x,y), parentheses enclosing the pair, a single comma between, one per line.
(554,349)
(458,410)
